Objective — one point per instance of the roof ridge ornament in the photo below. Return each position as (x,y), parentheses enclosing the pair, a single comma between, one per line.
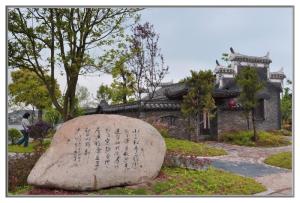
(267,55)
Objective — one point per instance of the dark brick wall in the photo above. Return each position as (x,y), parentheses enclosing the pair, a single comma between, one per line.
(178,129)
(235,120)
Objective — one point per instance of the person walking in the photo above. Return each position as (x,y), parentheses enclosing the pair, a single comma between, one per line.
(26,125)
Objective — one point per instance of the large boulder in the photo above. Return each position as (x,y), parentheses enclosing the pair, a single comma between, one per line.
(98,151)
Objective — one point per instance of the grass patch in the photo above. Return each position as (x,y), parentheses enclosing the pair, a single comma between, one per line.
(20,190)
(282,132)
(186,147)
(122,191)
(179,181)
(265,139)
(29,149)
(283,160)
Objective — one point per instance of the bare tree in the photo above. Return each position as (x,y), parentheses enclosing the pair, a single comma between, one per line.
(146,61)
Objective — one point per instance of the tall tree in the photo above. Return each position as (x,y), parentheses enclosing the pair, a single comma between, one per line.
(28,88)
(44,39)
(104,93)
(83,97)
(199,98)
(146,61)
(250,85)
(122,87)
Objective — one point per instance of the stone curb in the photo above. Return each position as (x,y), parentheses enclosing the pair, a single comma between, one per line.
(265,193)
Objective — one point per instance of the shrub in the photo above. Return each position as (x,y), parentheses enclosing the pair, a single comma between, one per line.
(244,138)
(238,137)
(52,116)
(271,140)
(282,132)
(13,135)
(39,130)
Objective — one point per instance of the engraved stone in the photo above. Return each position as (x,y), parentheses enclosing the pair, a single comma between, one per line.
(98,151)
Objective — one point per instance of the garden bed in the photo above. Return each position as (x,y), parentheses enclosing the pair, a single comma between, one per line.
(282,160)
(265,138)
(189,148)
(29,149)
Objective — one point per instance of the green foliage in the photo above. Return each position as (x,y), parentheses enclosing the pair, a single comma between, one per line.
(19,190)
(78,111)
(14,135)
(83,96)
(244,138)
(31,147)
(286,105)
(52,116)
(55,43)
(164,132)
(179,181)
(282,132)
(121,89)
(283,160)
(271,140)
(250,85)
(185,147)
(123,191)
(104,93)
(205,182)
(199,96)
(28,88)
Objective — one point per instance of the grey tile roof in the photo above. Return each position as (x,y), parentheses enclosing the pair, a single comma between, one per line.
(252,59)
(150,105)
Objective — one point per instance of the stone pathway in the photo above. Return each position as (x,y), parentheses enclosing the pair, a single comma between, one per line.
(248,161)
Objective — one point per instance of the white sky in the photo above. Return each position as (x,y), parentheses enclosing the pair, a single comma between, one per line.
(193,38)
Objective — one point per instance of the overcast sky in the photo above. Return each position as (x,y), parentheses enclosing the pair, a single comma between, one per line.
(193,38)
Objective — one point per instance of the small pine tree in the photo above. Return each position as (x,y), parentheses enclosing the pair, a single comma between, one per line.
(199,98)
(250,85)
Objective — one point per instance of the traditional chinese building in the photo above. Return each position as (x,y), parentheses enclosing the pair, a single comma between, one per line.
(229,115)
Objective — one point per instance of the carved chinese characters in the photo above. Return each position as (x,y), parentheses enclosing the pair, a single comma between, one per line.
(96,151)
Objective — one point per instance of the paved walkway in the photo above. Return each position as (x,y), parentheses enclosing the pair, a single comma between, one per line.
(248,161)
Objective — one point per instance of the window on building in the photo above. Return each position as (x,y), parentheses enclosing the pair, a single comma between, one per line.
(260,110)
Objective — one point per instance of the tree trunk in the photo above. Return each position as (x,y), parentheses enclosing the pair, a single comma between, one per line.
(198,126)
(32,116)
(248,121)
(254,126)
(40,114)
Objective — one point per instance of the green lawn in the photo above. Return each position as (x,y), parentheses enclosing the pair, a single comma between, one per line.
(186,147)
(283,160)
(179,181)
(29,149)
(265,139)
